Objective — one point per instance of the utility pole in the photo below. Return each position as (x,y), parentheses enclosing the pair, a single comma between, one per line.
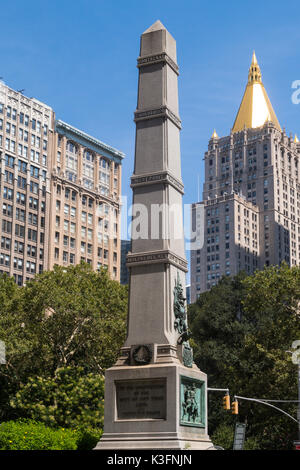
(298,410)
(296,360)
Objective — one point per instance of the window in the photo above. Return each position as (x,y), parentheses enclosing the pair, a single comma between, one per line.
(88,169)
(22,166)
(34,187)
(8,177)
(32,235)
(34,171)
(7,209)
(18,263)
(6,226)
(20,214)
(9,161)
(5,243)
(30,267)
(21,199)
(66,209)
(71,156)
(21,182)
(32,218)
(4,259)
(8,193)
(33,203)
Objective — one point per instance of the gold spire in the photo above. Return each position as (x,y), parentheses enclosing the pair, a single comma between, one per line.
(296,140)
(255,108)
(214,135)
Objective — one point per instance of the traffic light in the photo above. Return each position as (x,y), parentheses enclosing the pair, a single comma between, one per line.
(226,402)
(235,407)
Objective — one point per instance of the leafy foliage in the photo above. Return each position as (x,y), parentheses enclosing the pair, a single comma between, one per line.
(30,435)
(242,329)
(69,399)
(66,319)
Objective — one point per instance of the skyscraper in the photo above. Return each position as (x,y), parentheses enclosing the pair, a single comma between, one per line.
(59,192)
(250,213)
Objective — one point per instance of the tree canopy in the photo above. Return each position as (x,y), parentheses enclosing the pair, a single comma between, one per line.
(241,330)
(68,317)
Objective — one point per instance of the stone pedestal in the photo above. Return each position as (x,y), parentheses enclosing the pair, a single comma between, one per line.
(150,408)
(155,397)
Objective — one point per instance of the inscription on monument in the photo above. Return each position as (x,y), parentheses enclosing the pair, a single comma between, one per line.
(141,399)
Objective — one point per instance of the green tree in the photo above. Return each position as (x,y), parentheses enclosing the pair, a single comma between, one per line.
(75,316)
(71,398)
(12,334)
(68,317)
(241,330)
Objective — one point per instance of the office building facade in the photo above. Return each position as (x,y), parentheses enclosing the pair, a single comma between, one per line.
(251,196)
(60,192)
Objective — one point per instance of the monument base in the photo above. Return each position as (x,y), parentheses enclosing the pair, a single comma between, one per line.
(155,407)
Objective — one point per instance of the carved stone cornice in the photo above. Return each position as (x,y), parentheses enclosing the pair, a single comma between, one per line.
(156,59)
(154,257)
(154,178)
(162,111)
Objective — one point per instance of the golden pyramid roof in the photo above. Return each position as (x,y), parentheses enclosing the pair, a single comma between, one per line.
(255,108)
(296,140)
(214,135)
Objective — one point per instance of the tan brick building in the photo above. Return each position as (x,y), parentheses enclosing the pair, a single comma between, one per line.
(85,201)
(60,192)
(251,195)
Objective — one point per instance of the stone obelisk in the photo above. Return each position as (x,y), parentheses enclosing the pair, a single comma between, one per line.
(155,396)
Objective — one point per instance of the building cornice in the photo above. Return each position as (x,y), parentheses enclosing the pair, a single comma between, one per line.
(88,141)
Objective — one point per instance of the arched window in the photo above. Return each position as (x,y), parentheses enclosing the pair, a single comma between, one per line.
(71,156)
(88,164)
(104,176)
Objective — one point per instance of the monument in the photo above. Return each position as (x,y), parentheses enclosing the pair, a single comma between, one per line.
(155,396)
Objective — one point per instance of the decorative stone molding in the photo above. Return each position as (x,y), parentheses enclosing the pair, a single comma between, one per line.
(156,59)
(163,112)
(154,178)
(161,256)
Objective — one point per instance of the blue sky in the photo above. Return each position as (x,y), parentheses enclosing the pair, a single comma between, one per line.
(80,58)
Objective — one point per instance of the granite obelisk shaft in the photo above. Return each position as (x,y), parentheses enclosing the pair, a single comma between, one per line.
(155,396)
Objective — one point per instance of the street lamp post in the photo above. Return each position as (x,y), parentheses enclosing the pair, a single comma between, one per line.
(298,410)
(296,360)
